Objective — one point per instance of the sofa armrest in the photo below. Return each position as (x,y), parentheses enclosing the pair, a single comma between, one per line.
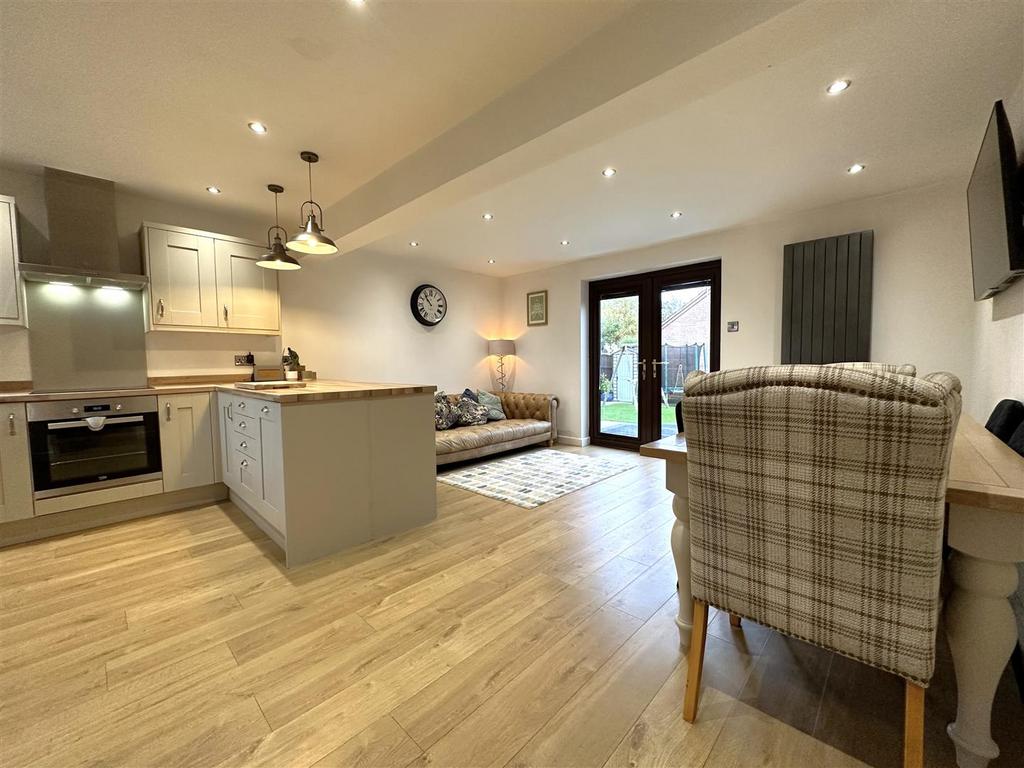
(529,405)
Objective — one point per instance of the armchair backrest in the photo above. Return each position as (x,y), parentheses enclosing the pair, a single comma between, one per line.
(817,502)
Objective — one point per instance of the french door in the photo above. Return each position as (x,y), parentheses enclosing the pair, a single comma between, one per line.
(647,333)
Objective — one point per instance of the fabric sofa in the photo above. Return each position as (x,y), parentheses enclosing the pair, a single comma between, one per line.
(529,419)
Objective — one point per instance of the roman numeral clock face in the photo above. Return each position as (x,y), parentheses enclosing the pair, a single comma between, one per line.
(428,305)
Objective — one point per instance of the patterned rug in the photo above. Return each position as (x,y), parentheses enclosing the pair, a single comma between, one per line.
(531,479)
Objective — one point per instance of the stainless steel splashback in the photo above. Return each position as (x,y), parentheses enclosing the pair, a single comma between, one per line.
(83,338)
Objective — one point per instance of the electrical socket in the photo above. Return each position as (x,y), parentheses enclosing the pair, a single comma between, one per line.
(246,359)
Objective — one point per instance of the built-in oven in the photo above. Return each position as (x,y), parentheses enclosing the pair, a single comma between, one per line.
(84,445)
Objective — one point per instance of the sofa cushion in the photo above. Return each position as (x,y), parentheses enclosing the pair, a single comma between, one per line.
(445,415)
(468,438)
(471,413)
(493,405)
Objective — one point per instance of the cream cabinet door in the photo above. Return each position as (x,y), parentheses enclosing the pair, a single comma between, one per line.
(247,295)
(186,440)
(182,278)
(15,464)
(11,297)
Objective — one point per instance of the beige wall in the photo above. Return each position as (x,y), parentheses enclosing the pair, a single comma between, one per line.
(167,352)
(348,317)
(923,310)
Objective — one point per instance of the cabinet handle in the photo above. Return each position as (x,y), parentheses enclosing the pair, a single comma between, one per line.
(243,444)
(160,307)
(225,313)
(244,464)
(168,411)
(265,409)
(10,424)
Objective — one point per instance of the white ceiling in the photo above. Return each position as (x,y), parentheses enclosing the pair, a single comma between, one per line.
(770,142)
(156,95)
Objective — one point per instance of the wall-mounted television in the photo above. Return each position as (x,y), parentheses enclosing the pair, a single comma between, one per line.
(995,207)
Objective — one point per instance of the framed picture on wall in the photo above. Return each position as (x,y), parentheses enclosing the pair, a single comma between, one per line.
(537,308)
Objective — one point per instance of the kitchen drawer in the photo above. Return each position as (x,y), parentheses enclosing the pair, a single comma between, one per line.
(250,474)
(254,407)
(247,425)
(247,444)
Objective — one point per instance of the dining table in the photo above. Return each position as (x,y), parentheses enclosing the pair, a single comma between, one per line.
(985,535)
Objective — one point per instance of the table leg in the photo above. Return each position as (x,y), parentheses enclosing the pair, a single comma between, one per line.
(676,481)
(982,632)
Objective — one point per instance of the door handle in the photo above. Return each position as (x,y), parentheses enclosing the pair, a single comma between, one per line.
(168,406)
(160,307)
(225,313)
(642,365)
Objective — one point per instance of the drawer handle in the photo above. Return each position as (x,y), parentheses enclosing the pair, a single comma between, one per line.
(241,425)
(243,444)
(265,409)
(241,405)
(244,464)
(10,424)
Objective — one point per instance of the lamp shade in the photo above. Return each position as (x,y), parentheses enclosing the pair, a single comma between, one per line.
(501,347)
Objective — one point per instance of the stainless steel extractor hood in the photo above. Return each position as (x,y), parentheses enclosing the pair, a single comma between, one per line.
(83,243)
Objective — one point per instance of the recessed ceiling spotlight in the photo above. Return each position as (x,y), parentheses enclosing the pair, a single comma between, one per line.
(490,261)
(488,216)
(213,190)
(414,243)
(676,215)
(565,242)
(257,127)
(608,172)
(855,168)
(837,87)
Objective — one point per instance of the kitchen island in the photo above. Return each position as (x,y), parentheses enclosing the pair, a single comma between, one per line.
(329,466)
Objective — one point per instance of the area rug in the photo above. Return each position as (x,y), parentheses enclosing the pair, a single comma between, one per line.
(531,479)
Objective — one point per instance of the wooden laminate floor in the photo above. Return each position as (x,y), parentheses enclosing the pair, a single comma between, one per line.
(494,636)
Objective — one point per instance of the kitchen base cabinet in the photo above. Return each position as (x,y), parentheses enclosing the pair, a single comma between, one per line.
(186,440)
(330,474)
(15,464)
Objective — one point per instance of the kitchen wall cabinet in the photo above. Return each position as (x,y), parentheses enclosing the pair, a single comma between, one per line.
(203,281)
(15,464)
(187,440)
(247,295)
(12,296)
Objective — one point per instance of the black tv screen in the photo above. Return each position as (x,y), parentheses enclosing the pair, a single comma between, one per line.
(994,210)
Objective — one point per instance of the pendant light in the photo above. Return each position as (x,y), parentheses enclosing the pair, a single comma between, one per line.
(277,257)
(311,238)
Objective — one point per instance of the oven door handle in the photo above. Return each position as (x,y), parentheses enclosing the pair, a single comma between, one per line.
(94,423)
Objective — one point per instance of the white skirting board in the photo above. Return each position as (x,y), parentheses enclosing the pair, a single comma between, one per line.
(579,442)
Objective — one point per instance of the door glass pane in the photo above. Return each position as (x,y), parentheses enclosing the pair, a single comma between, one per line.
(685,344)
(617,373)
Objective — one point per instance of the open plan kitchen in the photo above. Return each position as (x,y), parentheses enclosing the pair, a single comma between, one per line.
(96,440)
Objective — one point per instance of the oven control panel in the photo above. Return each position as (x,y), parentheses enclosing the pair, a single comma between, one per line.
(70,409)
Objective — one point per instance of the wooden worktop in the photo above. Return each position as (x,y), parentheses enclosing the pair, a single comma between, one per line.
(984,471)
(314,391)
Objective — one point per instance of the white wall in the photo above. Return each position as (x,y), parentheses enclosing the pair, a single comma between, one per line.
(167,352)
(348,317)
(923,310)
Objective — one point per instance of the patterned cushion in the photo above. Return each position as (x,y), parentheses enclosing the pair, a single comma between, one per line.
(470,412)
(816,504)
(493,405)
(467,392)
(445,415)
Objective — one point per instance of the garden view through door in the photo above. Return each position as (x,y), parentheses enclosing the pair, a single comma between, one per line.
(648,332)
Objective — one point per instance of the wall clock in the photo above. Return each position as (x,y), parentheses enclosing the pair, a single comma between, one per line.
(428,304)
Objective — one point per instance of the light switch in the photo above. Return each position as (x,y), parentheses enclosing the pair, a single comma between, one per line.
(732,326)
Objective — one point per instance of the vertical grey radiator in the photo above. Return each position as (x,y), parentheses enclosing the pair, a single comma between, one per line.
(826,299)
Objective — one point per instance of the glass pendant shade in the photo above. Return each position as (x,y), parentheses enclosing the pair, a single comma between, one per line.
(277,257)
(311,239)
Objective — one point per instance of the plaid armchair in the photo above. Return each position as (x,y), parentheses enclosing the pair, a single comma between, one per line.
(817,497)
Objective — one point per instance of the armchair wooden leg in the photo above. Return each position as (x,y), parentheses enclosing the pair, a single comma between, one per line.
(913,727)
(734,621)
(695,660)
